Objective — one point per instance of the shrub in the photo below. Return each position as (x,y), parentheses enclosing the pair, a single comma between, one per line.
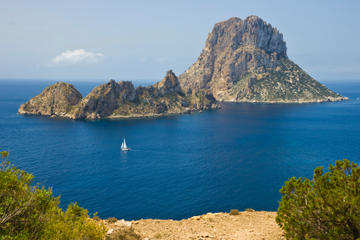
(234,212)
(249,210)
(96,217)
(74,223)
(124,234)
(31,212)
(326,207)
(112,219)
(4,154)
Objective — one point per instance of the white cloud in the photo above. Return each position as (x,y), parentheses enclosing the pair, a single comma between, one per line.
(77,56)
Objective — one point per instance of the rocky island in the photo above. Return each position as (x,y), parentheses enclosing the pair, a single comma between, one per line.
(243,61)
(246,61)
(118,100)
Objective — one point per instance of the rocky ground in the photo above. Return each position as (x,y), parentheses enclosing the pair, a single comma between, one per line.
(247,225)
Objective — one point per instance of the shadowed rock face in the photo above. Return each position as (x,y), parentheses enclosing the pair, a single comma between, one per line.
(104,99)
(246,61)
(118,100)
(170,83)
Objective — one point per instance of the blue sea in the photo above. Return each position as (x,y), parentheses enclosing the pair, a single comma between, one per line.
(235,157)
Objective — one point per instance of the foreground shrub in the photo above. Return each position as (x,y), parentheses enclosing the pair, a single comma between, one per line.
(234,212)
(326,207)
(249,210)
(112,219)
(124,234)
(31,212)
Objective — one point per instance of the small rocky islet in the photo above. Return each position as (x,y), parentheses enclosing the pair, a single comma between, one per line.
(243,61)
(118,100)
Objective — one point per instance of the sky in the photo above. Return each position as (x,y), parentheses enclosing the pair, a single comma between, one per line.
(141,40)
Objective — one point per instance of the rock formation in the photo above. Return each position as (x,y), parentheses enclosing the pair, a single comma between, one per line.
(243,61)
(246,61)
(118,100)
(55,100)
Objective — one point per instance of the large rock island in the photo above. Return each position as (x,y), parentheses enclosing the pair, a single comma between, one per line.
(246,61)
(118,100)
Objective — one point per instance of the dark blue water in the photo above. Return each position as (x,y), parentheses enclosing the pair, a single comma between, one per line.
(236,157)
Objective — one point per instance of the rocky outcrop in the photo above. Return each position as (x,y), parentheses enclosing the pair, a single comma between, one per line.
(104,99)
(163,98)
(246,61)
(119,100)
(55,100)
(170,83)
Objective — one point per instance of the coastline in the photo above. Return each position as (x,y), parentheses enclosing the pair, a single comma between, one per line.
(120,117)
(21,111)
(337,99)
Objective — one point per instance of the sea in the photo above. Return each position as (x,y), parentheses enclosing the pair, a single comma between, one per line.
(236,157)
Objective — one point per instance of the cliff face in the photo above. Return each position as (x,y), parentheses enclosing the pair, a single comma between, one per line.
(103,100)
(246,61)
(118,100)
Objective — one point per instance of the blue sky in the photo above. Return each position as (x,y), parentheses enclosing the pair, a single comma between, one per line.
(141,40)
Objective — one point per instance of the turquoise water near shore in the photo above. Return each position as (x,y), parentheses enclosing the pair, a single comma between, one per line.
(235,157)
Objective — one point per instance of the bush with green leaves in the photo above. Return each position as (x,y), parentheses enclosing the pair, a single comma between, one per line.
(326,207)
(32,212)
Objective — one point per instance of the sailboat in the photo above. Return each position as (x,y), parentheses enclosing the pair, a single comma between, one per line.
(124,147)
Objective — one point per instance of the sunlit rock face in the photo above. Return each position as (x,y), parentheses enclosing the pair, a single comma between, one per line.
(246,61)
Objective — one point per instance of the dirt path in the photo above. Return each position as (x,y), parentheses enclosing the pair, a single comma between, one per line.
(214,226)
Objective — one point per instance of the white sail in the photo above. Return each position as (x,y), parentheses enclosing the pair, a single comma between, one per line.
(124,143)
(124,146)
